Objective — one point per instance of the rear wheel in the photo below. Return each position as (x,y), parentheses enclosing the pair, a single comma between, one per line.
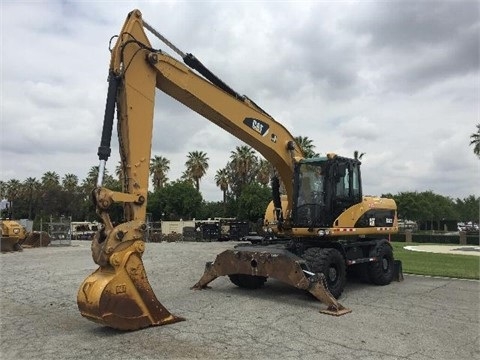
(330,263)
(248,281)
(381,271)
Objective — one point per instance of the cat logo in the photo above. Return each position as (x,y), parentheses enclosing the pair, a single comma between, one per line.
(257,125)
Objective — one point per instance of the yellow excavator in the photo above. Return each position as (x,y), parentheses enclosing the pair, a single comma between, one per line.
(320,226)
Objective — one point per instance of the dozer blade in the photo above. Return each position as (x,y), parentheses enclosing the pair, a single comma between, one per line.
(271,262)
(119,295)
(37,239)
(9,244)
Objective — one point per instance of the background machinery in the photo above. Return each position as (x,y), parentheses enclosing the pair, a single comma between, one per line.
(12,234)
(15,236)
(318,228)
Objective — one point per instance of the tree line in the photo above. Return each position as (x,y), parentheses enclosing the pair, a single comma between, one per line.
(245,176)
(244,183)
(428,207)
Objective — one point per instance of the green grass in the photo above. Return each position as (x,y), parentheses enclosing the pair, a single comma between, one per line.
(425,263)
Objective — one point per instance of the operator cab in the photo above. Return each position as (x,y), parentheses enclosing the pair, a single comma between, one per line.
(324,188)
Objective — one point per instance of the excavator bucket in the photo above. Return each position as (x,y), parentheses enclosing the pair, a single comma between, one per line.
(119,295)
(264,262)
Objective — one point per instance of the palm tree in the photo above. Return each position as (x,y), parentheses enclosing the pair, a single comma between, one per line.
(187,177)
(90,182)
(197,166)
(110,182)
(242,165)
(50,201)
(32,185)
(243,160)
(12,193)
(264,172)
(159,167)
(70,182)
(3,196)
(357,155)
(3,189)
(475,141)
(70,194)
(92,176)
(306,145)
(221,180)
(119,172)
(50,179)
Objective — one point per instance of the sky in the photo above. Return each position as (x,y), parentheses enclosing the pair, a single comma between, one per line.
(396,80)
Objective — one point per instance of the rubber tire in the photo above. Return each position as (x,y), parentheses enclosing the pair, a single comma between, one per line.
(321,261)
(248,281)
(381,272)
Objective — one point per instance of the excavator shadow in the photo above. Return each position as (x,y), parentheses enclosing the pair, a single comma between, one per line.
(106,331)
(277,291)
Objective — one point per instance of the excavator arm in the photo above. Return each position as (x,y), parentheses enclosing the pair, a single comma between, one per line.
(118,293)
(140,70)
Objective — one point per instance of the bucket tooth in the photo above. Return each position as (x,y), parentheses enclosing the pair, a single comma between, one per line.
(208,276)
(318,287)
(277,263)
(119,295)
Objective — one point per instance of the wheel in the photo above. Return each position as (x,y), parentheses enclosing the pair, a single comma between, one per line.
(330,263)
(381,272)
(248,281)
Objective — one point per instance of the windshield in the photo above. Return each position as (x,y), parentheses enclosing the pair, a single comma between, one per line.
(310,194)
(310,185)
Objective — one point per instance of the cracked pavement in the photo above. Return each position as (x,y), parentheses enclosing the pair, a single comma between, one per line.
(420,318)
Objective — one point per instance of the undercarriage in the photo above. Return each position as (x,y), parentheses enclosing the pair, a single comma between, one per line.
(318,267)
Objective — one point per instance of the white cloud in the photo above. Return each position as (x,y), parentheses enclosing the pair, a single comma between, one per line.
(397,81)
(358,129)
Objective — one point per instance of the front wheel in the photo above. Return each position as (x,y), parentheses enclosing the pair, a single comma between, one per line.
(330,263)
(248,281)
(381,272)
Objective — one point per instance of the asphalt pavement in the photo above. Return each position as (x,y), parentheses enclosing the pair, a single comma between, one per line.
(419,318)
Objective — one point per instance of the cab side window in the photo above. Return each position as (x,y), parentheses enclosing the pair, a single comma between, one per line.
(343,186)
(356,193)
